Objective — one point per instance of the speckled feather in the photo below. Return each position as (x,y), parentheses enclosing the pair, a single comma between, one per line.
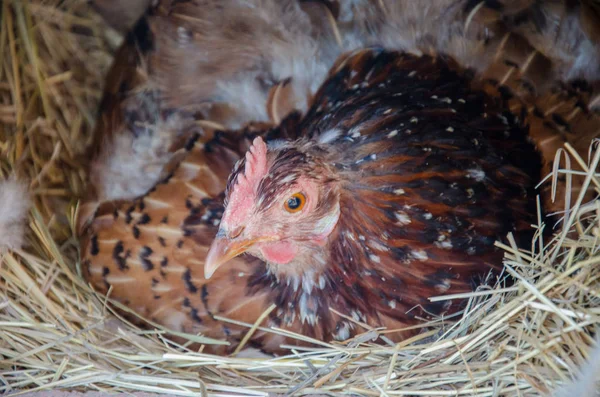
(150,250)
(433,172)
(435,165)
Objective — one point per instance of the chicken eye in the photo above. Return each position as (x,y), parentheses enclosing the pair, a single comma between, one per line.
(295,203)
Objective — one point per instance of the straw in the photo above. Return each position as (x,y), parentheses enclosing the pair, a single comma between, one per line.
(55,332)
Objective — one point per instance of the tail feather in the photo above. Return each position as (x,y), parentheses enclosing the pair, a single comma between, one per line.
(555,112)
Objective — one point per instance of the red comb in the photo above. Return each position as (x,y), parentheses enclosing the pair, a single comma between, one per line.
(256,163)
(244,191)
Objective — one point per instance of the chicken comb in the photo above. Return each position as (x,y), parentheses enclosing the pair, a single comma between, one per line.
(244,192)
(256,165)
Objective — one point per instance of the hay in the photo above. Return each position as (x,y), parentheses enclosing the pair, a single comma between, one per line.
(54,332)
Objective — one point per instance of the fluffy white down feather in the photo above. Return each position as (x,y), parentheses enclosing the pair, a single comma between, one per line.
(132,162)
(14,205)
(586,384)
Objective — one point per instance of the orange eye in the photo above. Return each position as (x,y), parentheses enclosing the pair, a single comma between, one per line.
(295,203)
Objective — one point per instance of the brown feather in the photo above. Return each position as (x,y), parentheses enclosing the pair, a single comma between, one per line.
(445,183)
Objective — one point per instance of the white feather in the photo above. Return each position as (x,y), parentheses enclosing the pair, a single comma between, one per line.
(130,165)
(329,135)
(586,384)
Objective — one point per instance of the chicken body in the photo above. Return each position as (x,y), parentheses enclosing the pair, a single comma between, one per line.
(422,163)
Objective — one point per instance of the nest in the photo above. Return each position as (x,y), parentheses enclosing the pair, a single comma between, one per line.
(55,332)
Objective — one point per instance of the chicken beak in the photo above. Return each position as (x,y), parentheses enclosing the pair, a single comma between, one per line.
(222,250)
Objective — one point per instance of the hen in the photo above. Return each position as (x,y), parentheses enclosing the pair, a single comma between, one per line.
(386,186)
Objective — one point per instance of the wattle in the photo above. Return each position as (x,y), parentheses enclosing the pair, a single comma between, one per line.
(280,252)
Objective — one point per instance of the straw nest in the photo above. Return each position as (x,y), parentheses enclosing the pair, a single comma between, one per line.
(55,332)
